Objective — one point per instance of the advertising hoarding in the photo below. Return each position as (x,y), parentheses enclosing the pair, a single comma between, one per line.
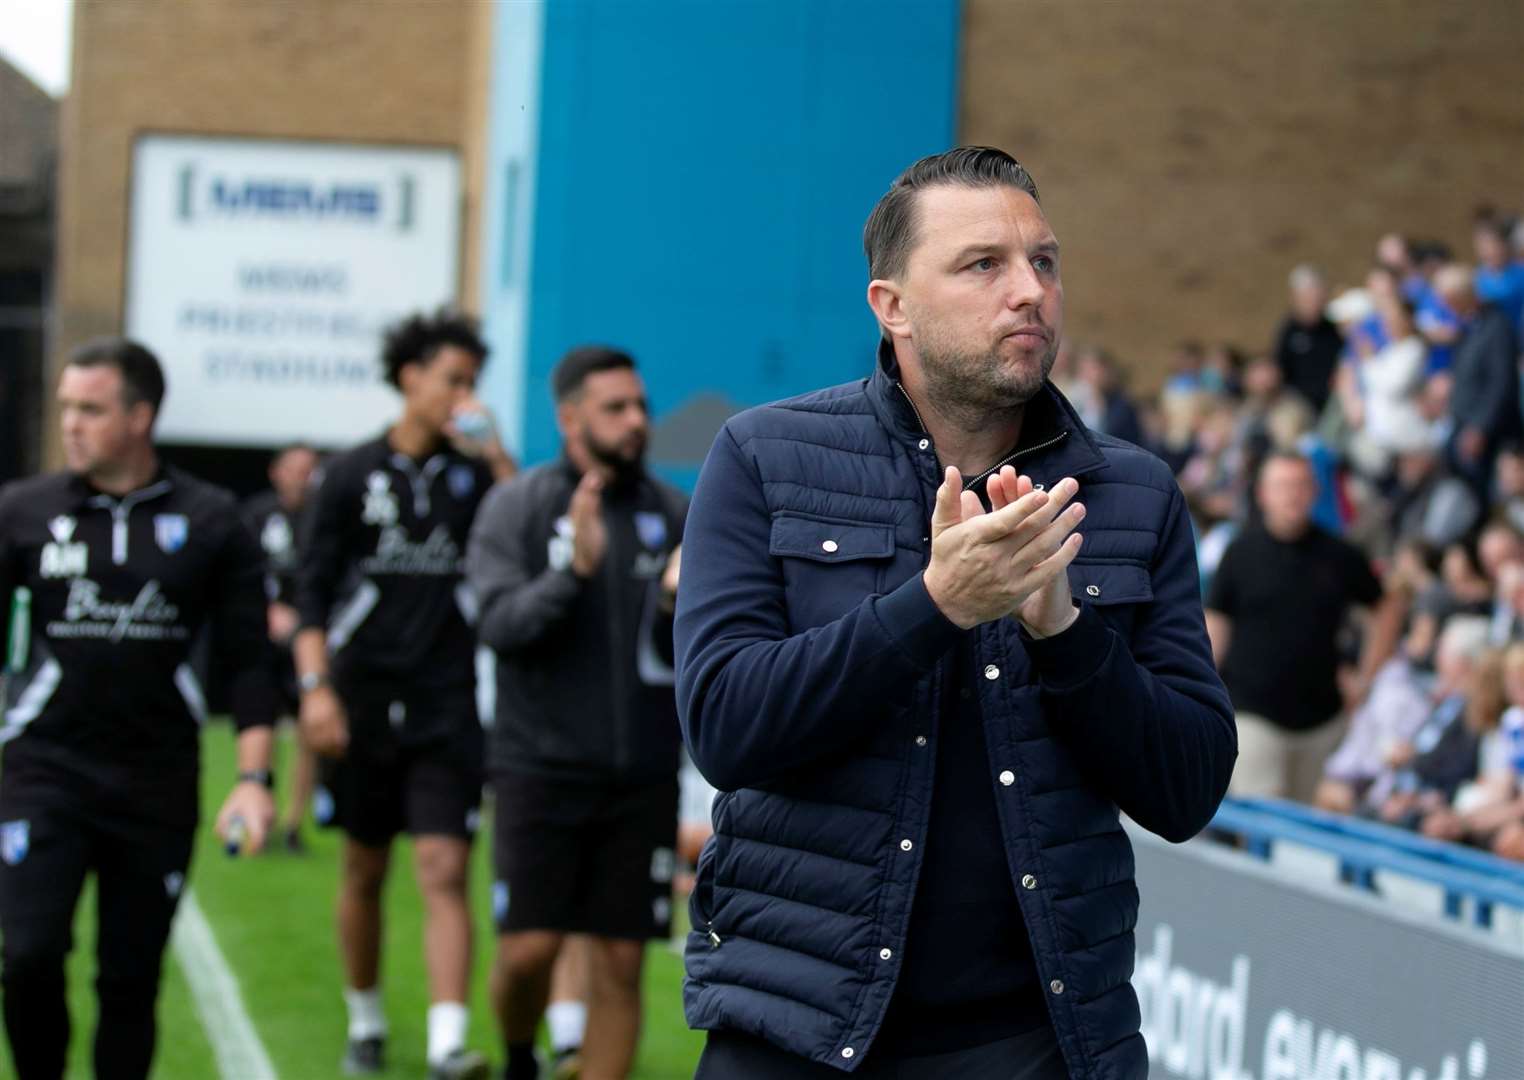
(262,272)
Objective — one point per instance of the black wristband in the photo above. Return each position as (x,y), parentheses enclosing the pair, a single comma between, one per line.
(264,777)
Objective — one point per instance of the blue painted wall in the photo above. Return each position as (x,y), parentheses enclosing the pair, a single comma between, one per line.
(703,173)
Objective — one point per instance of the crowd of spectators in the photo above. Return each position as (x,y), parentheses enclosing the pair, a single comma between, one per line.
(1358,496)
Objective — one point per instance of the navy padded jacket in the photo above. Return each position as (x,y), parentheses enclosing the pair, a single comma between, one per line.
(810,658)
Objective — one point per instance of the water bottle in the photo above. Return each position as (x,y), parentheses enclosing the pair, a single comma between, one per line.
(474,425)
(236,834)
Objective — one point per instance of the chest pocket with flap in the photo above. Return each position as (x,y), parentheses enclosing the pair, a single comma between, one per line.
(1116,590)
(830,565)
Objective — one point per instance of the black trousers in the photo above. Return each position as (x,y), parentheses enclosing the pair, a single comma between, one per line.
(729,1055)
(47,845)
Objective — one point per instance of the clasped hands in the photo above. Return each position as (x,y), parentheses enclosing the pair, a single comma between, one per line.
(1010,560)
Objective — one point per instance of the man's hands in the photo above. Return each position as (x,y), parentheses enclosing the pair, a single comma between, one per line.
(1013,560)
(246,816)
(590,538)
(669,579)
(282,621)
(472,430)
(251,806)
(325,725)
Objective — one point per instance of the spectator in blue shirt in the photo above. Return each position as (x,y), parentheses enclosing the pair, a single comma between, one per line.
(1498,279)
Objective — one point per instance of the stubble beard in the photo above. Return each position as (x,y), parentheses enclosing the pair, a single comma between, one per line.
(974,389)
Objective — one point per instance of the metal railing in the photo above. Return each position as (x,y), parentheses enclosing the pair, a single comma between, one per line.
(1364,848)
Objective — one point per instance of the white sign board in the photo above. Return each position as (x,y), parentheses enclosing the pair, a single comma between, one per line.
(262,273)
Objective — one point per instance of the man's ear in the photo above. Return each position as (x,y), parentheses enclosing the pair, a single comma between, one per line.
(887,302)
(140,418)
(407,375)
(566,418)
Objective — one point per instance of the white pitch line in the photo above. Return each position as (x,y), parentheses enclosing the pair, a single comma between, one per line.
(214,990)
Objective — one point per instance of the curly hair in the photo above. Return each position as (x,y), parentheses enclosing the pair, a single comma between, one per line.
(415,340)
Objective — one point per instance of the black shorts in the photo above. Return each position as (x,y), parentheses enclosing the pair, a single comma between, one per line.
(388,784)
(288,697)
(581,857)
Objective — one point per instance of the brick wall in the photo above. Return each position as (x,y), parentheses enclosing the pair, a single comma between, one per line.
(402,71)
(1189,152)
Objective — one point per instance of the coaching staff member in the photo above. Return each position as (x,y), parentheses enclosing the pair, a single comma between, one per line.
(575,564)
(110,570)
(924,701)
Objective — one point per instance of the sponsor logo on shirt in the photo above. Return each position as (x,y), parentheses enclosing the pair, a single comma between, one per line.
(62,558)
(146,617)
(439,555)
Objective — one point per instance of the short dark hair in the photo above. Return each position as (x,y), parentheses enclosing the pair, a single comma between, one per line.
(1499,225)
(415,340)
(890,231)
(1430,251)
(293,448)
(142,375)
(1280,453)
(572,370)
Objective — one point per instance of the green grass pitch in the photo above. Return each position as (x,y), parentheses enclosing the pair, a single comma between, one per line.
(273,920)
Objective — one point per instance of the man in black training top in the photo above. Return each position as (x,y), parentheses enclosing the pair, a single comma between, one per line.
(110,570)
(273,516)
(575,563)
(385,660)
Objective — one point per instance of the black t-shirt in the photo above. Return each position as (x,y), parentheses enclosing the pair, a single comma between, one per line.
(1288,602)
(1307,356)
(969,977)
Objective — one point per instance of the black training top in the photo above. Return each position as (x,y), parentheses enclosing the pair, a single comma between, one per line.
(110,594)
(584,666)
(275,528)
(383,543)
